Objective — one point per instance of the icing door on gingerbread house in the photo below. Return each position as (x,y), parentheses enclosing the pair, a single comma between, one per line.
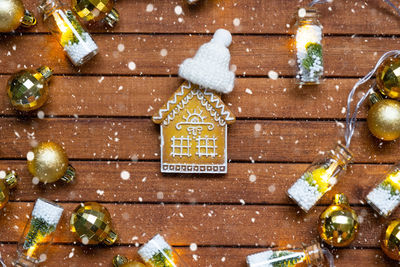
(193,126)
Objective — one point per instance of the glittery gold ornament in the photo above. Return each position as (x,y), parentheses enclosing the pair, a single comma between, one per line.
(13,14)
(384,118)
(48,162)
(338,224)
(95,10)
(9,182)
(388,77)
(91,224)
(390,242)
(28,89)
(122,261)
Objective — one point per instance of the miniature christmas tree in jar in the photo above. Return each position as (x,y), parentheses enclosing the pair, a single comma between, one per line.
(309,256)
(308,47)
(76,41)
(320,177)
(38,233)
(158,253)
(386,196)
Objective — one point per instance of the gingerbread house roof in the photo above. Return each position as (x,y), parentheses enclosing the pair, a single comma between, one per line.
(209,100)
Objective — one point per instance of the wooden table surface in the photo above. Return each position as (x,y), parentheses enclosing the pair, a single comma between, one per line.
(101,114)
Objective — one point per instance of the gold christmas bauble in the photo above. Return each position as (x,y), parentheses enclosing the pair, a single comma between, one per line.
(338,224)
(9,182)
(91,224)
(122,261)
(390,242)
(48,162)
(12,14)
(384,119)
(28,89)
(388,77)
(95,10)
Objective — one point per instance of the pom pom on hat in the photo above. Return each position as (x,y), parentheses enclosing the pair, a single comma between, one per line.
(209,68)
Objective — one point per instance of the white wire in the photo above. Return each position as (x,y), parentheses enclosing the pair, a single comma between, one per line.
(2,262)
(314,2)
(351,118)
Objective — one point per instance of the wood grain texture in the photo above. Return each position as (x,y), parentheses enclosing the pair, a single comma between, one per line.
(259,183)
(101,114)
(256,16)
(205,225)
(252,55)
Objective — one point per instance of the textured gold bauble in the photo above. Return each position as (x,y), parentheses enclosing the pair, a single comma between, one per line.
(12,14)
(338,224)
(49,163)
(390,242)
(91,224)
(28,89)
(384,119)
(9,182)
(122,261)
(95,10)
(388,77)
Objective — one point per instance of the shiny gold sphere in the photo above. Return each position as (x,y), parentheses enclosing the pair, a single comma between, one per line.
(384,119)
(133,264)
(390,242)
(388,77)
(48,163)
(9,182)
(91,224)
(122,261)
(338,224)
(28,89)
(11,14)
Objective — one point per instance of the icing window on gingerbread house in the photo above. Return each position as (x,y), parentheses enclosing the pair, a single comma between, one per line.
(206,146)
(180,146)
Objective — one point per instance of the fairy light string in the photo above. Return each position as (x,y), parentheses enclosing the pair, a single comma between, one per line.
(351,117)
(393,6)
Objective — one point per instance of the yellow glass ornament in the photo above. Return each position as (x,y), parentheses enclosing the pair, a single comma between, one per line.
(95,10)
(91,224)
(390,242)
(122,261)
(48,162)
(28,89)
(13,14)
(9,182)
(384,118)
(338,224)
(388,77)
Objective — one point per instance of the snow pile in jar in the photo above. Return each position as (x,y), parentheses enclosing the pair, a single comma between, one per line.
(271,258)
(77,43)
(309,53)
(157,252)
(386,196)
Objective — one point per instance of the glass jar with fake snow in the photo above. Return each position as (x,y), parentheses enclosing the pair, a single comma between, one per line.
(158,253)
(385,197)
(312,255)
(308,47)
(76,41)
(320,177)
(38,233)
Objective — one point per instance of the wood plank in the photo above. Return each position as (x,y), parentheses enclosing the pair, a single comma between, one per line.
(142,96)
(75,256)
(258,140)
(251,183)
(206,225)
(255,17)
(252,55)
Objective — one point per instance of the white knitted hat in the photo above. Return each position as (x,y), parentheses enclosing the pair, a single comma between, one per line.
(210,66)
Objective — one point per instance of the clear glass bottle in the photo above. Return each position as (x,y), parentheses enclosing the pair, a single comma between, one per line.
(38,233)
(76,41)
(312,255)
(158,253)
(385,197)
(308,47)
(320,177)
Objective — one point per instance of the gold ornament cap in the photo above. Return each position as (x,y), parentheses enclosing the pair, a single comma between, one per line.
(46,72)
(11,180)
(28,20)
(122,261)
(112,18)
(374,98)
(339,199)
